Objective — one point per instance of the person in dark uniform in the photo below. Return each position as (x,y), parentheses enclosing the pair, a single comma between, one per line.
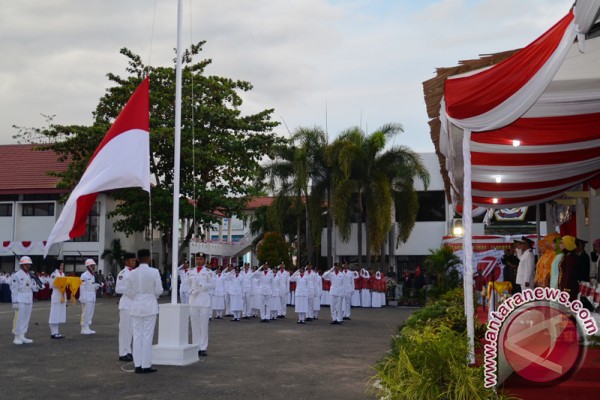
(567,276)
(583,261)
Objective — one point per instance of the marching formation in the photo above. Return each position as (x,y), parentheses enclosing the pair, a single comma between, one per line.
(240,293)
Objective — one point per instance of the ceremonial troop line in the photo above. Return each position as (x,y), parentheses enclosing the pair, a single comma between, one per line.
(242,294)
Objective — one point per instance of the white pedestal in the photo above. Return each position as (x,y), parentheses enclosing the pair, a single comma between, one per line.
(173,346)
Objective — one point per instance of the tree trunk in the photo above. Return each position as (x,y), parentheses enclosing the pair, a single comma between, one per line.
(392,246)
(299,259)
(309,246)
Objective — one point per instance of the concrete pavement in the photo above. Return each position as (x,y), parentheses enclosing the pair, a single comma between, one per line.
(246,360)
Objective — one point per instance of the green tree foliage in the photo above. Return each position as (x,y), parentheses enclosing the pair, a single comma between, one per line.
(273,249)
(221,148)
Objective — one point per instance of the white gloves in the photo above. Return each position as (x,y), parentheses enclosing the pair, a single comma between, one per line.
(15,306)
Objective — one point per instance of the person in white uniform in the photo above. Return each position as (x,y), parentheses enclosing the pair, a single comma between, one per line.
(184,291)
(143,287)
(218,296)
(125,321)
(247,275)
(312,292)
(284,289)
(348,291)
(235,282)
(201,282)
(22,287)
(264,276)
(87,296)
(336,292)
(58,304)
(301,296)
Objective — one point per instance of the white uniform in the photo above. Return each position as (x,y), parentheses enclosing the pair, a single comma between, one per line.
(87,298)
(284,291)
(201,282)
(22,288)
(301,296)
(311,294)
(184,291)
(275,298)
(247,293)
(365,293)
(348,292)
(125,320)
(218,297)
(143,286)
(336,293)
(235,289)
(58,305)
(265,290)
(526,269)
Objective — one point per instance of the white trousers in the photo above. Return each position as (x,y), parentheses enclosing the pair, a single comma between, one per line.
(335,303)
(143,333)
(247,304)
(21,320)
(311,308)
(199,321)
(125,332)
(185,297)
(346,304)
(283,307)
(87,312)
(265,306)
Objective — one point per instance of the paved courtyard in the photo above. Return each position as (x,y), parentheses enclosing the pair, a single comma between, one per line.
(246,360)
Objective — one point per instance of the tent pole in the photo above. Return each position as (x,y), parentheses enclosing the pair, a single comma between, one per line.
(468,244)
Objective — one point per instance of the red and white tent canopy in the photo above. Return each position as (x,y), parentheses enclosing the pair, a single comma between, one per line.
(546,97)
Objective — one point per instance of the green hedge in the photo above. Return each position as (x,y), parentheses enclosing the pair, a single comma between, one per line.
(429,355)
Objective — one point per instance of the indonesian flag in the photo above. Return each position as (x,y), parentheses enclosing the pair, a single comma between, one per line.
(121,160)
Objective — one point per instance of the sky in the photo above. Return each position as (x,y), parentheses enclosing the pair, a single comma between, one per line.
(329,63)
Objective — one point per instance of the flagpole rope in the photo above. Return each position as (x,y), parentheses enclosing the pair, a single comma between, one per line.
(151,37)
(194,203)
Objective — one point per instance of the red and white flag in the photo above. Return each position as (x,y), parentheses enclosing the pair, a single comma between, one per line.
(121,160)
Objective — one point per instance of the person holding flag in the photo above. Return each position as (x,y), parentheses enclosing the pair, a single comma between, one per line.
(87,296)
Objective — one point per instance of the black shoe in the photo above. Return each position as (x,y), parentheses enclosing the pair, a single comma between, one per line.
(264,320)
(245,317)
(126,358)
(202,353)
(281,316)
(57,336)
(346,318)
(300,322)
(148,370)
(308,319)
(138,370)
(335,323)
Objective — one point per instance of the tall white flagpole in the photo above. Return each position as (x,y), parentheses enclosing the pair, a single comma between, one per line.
(173,346)
(177,165)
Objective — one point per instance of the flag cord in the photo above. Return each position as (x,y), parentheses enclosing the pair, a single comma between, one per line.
(194,203)
(151,38)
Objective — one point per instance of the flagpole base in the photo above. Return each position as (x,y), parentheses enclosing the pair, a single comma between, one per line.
(173,346)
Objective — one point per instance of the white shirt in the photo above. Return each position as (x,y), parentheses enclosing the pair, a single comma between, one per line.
(143,287)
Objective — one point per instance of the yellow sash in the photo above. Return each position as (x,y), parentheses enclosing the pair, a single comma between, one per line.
(61,283)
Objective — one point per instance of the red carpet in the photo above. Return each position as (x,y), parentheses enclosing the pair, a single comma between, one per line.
(583,385)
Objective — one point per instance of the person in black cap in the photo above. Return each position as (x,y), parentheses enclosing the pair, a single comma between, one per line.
(526,269)
(143,286)
(583,261)
(200,282)
(125,322)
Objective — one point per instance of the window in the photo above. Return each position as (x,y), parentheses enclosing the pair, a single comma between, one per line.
(432,206)
(93,226)
(6,210)
(38,209)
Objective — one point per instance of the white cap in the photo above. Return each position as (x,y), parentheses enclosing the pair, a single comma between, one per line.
(89,262)
(25,260)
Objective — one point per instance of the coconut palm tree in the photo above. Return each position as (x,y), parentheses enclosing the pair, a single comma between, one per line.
(372,184)
(301,172)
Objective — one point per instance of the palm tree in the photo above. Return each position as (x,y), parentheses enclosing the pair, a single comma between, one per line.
(373,185)
(300,172)
(114,255)
(441,263)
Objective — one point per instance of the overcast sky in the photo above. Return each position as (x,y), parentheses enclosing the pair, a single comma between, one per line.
(363,61)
